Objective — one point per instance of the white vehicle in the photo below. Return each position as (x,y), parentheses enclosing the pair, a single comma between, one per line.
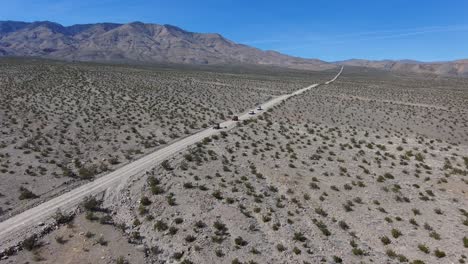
(252,112)
(259,108)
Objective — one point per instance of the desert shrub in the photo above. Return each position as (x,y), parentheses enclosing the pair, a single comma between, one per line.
(91,203)
(297,251)
(145,201)
(30,243)
(220,233)
(343,225)
(188,185)
(166,165)
(173,230)
(184,166)
(413,222)
(314,186)
(218,239)
(424,248)
(357,251)
(337,259)
(321,212)
(87,173)
(396,233)
(106,220)
(190,238)
(121,260)
(427,227)
(358,200)
(321,225)
(240,241)
(219,253)
(91,216)
(61,218)
(439,253)
(200,224)
(155,189)
(299,236)
(218,194)
(402,258)
(178,255)
(101,241)
(220,226)
(114,160)
(26,194)
(434,235)
(153,181)
(385,240)
(347,207)
(160,225)
(60,240)
(280,247)
(391,254)
(419,157)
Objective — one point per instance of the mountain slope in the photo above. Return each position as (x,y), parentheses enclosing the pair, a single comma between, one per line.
(458,68)
(136,42)
(153,43)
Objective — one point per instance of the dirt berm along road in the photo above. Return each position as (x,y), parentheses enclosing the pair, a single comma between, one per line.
(16,228)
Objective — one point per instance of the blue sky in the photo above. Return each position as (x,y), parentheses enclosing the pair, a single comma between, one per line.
(325,29)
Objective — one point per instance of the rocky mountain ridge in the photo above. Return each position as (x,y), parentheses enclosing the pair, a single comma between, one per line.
(137,42)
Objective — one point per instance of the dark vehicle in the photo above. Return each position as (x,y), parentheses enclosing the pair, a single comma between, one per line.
(235,118)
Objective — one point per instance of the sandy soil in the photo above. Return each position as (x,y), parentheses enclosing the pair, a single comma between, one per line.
(323,177)
(65,124)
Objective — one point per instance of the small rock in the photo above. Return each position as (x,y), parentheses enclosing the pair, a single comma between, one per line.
(140,248)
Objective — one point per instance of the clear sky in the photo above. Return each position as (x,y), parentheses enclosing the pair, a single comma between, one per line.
(426,30)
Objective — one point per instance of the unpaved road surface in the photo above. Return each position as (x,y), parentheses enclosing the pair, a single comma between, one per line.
(15,229)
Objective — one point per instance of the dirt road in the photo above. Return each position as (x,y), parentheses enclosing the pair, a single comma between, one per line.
(14,229)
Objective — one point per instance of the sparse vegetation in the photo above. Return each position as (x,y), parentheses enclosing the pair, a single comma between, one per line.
(387,179)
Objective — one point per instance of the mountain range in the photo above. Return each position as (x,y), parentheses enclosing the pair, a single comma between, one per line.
(136,42)
(451,68)
(153,43)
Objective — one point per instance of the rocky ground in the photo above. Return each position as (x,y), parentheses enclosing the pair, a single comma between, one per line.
(63,124)
(82,241)
(370,169)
